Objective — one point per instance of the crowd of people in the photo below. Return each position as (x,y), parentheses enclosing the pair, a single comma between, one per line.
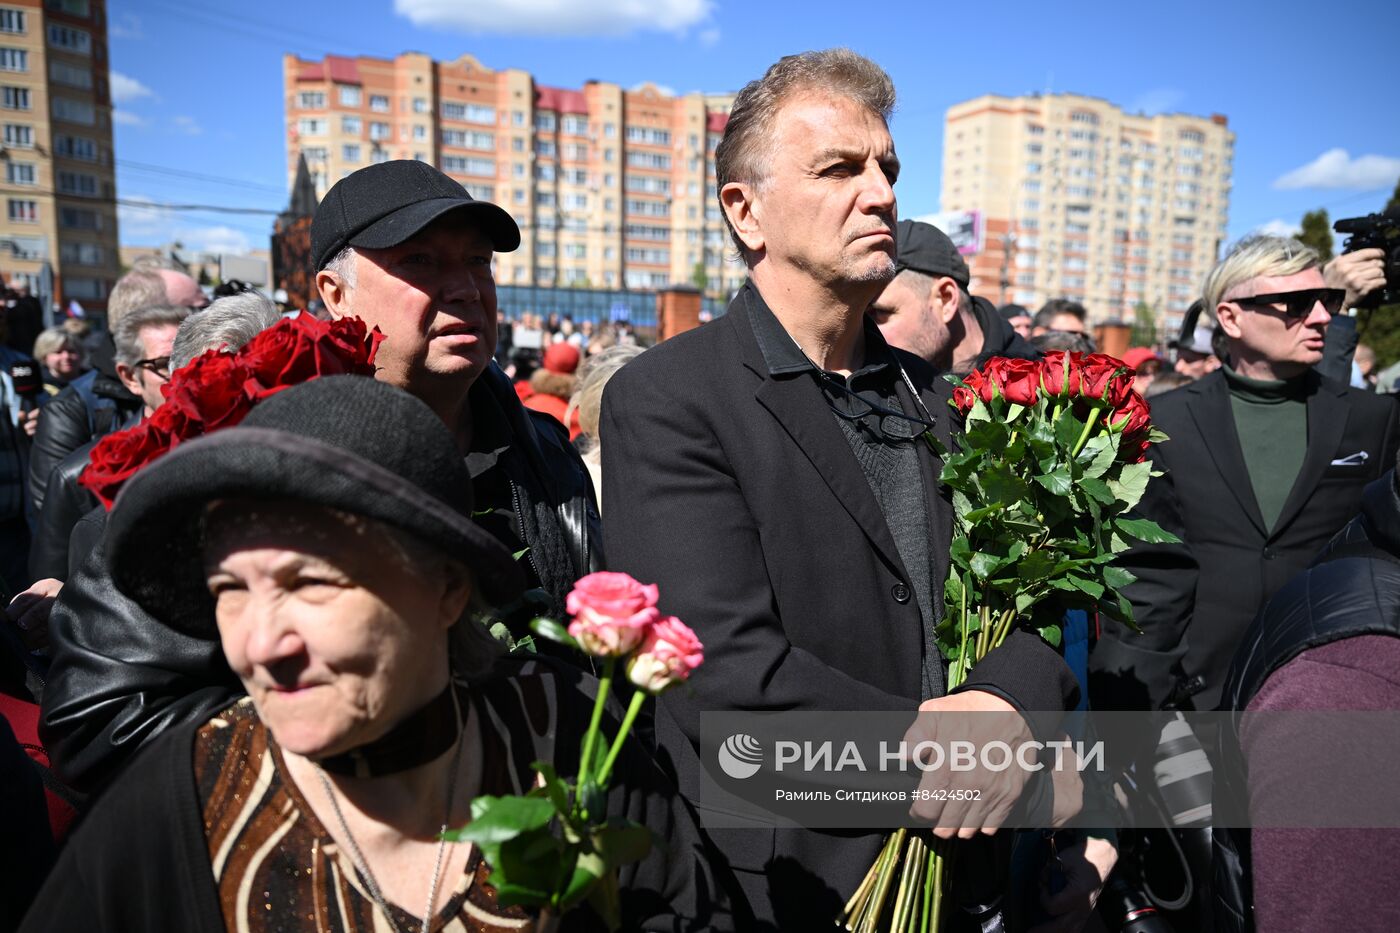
(245,681)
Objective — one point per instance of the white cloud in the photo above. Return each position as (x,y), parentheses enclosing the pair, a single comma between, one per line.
(1157,100)
(125,89)
(126,26)
(1277,227)
(709,37)
(216,240)
(127,118)
(1335,168)
(555,17)
(187,125)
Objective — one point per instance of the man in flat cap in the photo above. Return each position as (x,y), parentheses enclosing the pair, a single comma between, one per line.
(926,308)
(407,249)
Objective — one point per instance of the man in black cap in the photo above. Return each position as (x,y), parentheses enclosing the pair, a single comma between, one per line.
(405,248)
(926,308)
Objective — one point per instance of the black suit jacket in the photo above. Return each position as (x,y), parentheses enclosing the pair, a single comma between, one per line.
(736,491)
(1194,601)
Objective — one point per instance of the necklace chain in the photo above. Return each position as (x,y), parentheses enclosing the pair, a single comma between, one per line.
(362,863)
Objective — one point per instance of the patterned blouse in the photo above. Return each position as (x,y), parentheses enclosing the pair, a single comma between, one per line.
(276,867)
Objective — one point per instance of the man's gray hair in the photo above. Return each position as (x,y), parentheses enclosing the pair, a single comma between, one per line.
(343,265)
(227,324)
(744,152)
(1256,256)
(139,288)
(127,333)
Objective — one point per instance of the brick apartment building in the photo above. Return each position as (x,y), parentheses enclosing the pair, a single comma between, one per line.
(58,233)
(612,188)
(1082,200)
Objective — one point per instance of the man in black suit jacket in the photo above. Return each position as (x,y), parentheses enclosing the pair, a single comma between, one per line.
(766,471)
(1267,460)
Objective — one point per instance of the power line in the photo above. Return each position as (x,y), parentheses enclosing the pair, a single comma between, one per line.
(195,176)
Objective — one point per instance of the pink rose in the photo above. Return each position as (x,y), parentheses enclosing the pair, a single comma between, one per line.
(611,613)
(669,652)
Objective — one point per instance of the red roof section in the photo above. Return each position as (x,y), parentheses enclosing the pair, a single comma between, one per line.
(335,68)
(560,100)
(716,122)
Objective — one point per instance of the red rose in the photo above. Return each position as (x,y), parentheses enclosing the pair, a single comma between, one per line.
(1058,379)
(980,384)
(118,457)
(210,390)
(1018,380)
(1098,375)
(1134,419)
(963,398)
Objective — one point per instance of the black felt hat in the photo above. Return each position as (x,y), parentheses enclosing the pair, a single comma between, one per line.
(924,248)
(348,443)
(384,204)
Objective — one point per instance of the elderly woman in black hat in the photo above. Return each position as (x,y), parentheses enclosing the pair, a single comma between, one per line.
(337,564)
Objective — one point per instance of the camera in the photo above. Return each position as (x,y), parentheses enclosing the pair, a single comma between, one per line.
(1379,231)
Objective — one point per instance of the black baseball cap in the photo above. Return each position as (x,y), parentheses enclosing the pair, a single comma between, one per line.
(924,248)
(382,205)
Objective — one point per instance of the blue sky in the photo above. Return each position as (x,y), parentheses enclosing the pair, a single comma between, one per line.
(1308,87)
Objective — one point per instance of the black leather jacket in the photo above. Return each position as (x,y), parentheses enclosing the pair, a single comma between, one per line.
(118,678)
(68,423)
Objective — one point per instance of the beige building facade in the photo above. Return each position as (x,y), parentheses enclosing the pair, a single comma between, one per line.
(58,233)
(612,188)
(1082,200)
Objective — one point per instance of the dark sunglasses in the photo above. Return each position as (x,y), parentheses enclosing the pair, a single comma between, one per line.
(1301,302)
(156,366)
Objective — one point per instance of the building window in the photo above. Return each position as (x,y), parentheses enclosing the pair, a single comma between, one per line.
(648,135)
(379,131)
(649,208)
(420,133)
(649,160)
(75,218)
(69,39)
(517,144)
(19,136)
(12,21)
(544,171)
(61,72)
(311,100)
(545,122)
(378,103)
(349,95)
(575,125)
(576,152)
(576,202)
(420,105)
(16,98)
(14,60)
(24,211)
(648,184)
(315,153)
(460,165)
(83,254)
(350,125)
(20,173)
(610,130)
(84,287)
(78,183)
(71,7)
(472,113)
(307,126)
(350,152)
(74,111)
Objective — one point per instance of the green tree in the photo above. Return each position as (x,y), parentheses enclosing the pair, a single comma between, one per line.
(1394,201)
(698,278)
(1144,326)
(204,276)
(1317,232)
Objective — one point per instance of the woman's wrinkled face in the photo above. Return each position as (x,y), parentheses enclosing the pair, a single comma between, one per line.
(335,636)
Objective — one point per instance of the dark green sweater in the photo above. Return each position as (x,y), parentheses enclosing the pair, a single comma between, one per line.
(1271,418)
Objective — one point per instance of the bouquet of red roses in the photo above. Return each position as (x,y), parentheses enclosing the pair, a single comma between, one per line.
(1051,460)
(217,390)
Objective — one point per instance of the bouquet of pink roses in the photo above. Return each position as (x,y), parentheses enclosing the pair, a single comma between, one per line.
(554,848)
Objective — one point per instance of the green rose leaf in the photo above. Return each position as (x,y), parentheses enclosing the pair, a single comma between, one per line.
(1145,530)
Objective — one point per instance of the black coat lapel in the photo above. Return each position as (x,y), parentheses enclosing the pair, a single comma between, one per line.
(797,405)
(1216,423)
(1327,422)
